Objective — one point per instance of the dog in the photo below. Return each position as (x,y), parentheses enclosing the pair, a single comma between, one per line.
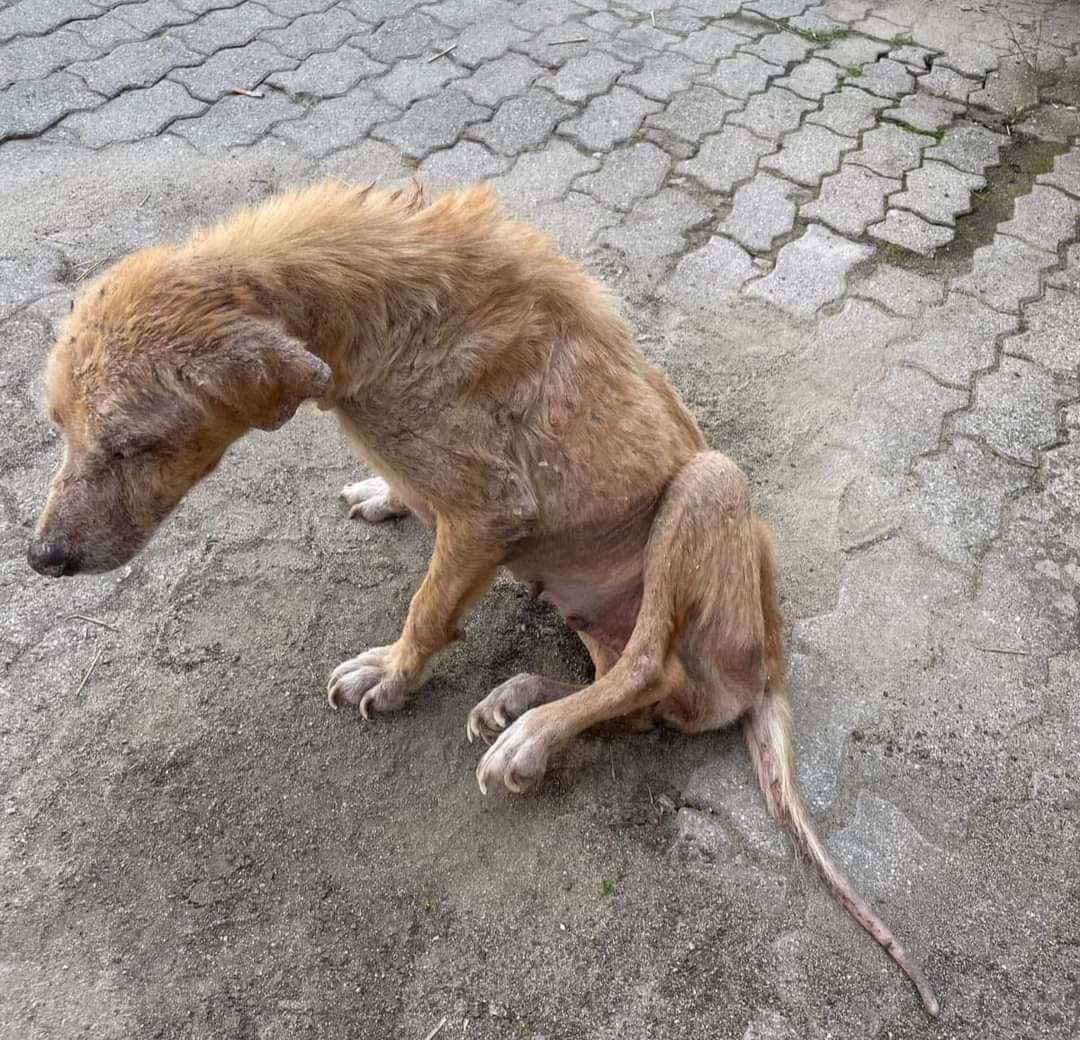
(497,392)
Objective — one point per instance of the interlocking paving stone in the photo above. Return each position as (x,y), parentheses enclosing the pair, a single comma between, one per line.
(741,76)
(316,32)
(773,113)
(28,108)
(1045,217)
(812,79)
(710,44)
(1065,174)
(139,64)
(151,16)
(899,290)
(503,78)
(810,271)
(924,112)
(1050,335)
(762,211)
(235,68)
(1006,272)
(886,78)
(610,119)
(133,115)
(522,122)
(463,13)
(694,114)
(780,48)
(574,221)
(653,230)
(662,76)
(432,123)
(889,150)
(627,175)
(851,50)
(849,111)
(413,79)
(942,81)
(1015,409)
(543,175)
(536,15)
(920,58)
(1009,89)
(581,78)
(226,27)
(336,122)
(911,232)
(327,75)
(938,192)
(554,47)
(958,339)
(466,162)
(235,121)
(40,17)
(726,158)
(486,41)
(968,147)
(808,154)
(851,200)
(712,274)
(407,37)
(106,32)
(32,57)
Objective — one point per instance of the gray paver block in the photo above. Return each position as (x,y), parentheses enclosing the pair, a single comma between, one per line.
(610,119)
(151,16)
(42,16)
(627,175)
(640,42)
(32,57)
(370,11)
(412,79)
(848,111)
(902,418)
(500,79)
(763,210)
(654,228)
(235,68)
(741,75)
(773,113)
(336,122)
(726,158)
(536,15)
(1066,172)
(958,339)
(1051,336)
(924,112)
(662,76)
(368,161)
(815,20)
(581,78)
(919,58)
(316,32)
(938,192)
(909,231)
(889,150)
(1015,410)
(710,44)
(851,50)
(295,8)
(543,175)
(942,81)
(522,122)
(432,123)
(972,58)
(777,8)
(1056,123)
(465,163)
(956,512)
(226,27)
(968,147)
(327,75)
(573,221)
(463,13)
(886,78)
(812,79)
(711,275)
(554,47)
(1005,273)
(135,65)
(899,290)
(236,120)
(851,199)
(1011,88)
(405,37)
(106,32)
(1045,217)
(133,115)
(694,114)
(486,41)
(29,107)
(780,48)
(810,271)
(808,154)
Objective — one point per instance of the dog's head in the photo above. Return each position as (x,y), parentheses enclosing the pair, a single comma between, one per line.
(149,382)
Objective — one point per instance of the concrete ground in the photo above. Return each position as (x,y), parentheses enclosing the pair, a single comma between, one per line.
(849,230)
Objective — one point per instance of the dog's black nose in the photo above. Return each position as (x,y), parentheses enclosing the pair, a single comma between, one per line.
(51,559)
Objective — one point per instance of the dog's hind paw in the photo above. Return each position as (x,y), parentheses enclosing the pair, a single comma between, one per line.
(372,500)
(369,683)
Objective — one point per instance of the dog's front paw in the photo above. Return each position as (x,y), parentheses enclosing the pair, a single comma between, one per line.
(369,682)
(518,759)
(372,500)
(507,702)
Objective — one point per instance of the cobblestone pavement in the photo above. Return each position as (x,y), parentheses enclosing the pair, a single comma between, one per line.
(850,232)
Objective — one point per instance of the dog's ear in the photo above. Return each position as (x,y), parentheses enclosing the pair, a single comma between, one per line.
(261,375)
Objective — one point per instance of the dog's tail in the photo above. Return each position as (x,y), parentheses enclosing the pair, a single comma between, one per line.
(768,736)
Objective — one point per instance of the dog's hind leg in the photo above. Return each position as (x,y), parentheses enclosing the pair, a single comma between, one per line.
(701,596)
(373,500)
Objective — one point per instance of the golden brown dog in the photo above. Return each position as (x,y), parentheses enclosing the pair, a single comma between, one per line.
(496,390)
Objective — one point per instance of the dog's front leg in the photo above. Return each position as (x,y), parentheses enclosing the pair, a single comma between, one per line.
(382,679)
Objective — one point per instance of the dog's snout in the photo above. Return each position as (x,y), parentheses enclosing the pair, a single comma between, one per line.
(52,559)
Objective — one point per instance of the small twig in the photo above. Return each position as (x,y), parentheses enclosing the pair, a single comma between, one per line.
(146,198)
(91,266)
(563,43)
(437,1029)
(441,54)
(611,759)
(1001,650)
(93,621)
(246,93)
(652,16)
(90,670)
